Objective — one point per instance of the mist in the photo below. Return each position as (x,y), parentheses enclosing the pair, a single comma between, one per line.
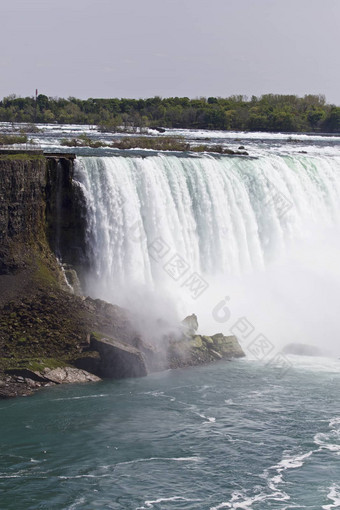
(260,274)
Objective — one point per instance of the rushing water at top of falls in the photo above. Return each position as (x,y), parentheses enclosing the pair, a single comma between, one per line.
(221,215)
(198,228)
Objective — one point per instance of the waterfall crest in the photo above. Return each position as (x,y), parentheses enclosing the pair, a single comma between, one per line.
(222,237)
(220,215)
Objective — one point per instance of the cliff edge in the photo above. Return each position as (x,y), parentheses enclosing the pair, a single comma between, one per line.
(49,335)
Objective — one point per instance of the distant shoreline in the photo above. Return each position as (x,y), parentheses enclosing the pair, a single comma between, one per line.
(268,113)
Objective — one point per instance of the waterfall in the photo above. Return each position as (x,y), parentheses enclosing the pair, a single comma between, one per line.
(185,222)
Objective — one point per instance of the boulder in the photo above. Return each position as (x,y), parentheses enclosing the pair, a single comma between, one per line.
(197,342)
(203,349)
(227,346)
(190,325)
(118,360)
(68,375)
(26,373)
(23,382)
(89,361)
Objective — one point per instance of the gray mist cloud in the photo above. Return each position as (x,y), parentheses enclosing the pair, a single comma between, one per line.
(141,48)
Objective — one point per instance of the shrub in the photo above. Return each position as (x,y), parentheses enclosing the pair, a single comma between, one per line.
(159,143)
(12,139)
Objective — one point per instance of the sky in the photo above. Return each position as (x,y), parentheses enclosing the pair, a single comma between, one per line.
(194,48)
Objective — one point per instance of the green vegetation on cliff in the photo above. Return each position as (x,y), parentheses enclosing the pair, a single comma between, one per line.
(12,139)
(270,112)
(42,325)
(31,298)
(156,143)
(22,157)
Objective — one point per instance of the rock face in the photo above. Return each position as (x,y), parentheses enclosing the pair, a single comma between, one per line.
(190,325)
(22,208)
(194,349)
(111,320)
(65,213)
(202,349)
(227,346)
(45,331)
(118,360)
(39,202)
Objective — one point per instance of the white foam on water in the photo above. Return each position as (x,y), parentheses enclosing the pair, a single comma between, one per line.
(241,502)
(242,499)
(84,397)
(292,462)
(208,419)
(334,496)
(315,363)
(335,422)
(247,135)
(151,503)
(77,504)
(324,441)
(63,477)
(154,459)
(329,440)
(9,476)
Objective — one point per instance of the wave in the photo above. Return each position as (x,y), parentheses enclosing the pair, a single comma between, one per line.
(151,503)
(274,475)
(84,397)
(330,440)
(333,495)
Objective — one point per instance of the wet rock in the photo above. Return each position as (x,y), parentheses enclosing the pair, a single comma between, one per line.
(22,374)
(203,349)
(196,342)
(118,360)
(227,346)
(68,375)
(190,325)
(71,280)
(89,362)
(10,388)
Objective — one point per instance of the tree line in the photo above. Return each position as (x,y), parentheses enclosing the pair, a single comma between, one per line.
(270,112)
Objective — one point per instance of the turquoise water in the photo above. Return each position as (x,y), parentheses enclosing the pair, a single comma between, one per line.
(228,435)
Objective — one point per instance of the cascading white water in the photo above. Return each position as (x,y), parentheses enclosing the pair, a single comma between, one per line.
(165,222)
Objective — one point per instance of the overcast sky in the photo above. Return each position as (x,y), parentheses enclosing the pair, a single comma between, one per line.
(142,48)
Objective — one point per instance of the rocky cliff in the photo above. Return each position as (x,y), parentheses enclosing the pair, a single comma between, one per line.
(22,208)
(41,325)
(45,331)
(65,213)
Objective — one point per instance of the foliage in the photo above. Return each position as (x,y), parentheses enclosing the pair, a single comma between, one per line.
(162,143)
(12,139)
(22,157)
(156,143)
(82,141)
(270,112)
